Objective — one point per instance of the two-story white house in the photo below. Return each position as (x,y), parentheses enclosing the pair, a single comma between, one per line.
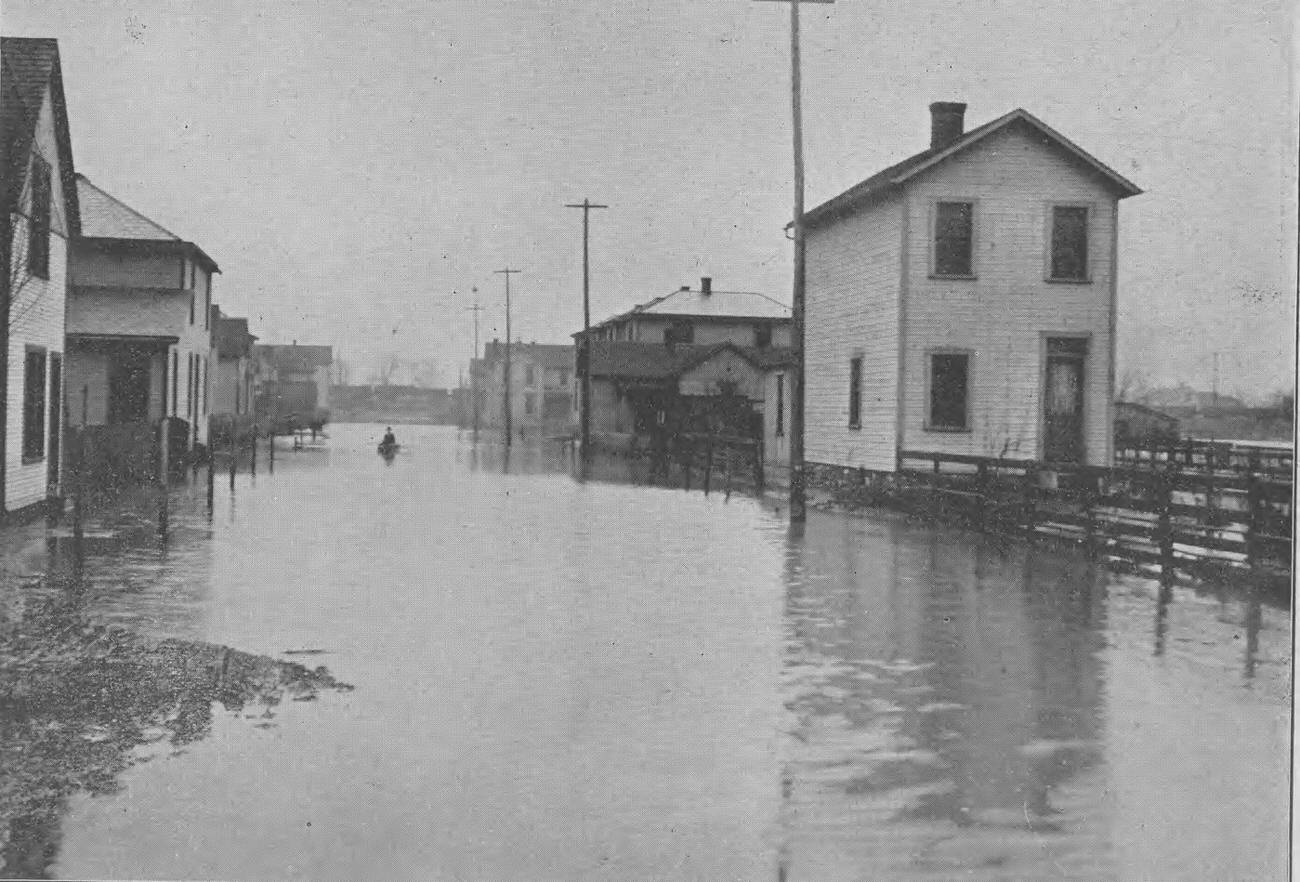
(39,216)
(139,328)
(963,301)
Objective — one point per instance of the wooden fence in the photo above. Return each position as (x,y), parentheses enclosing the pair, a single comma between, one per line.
(1187,507)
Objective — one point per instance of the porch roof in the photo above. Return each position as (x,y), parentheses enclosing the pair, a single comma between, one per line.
(655,361)
(159,340)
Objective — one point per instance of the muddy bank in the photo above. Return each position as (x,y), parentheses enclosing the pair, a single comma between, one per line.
(81,702)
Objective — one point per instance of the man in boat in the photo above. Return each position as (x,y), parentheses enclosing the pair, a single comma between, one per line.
(390,440)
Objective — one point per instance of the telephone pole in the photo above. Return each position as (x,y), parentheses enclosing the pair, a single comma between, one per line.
(798,505)
(507,272)
(473,373)
(584,351)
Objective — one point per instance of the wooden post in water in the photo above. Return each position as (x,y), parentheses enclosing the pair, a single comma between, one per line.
(1030,502)
(982,494)
(708,463)
(1089,512)
(252,446)
(234,456)
(164,450)
(212,460)
(270,450)
(760,480)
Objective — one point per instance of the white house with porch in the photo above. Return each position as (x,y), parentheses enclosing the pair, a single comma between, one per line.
(963,302)
(139,328)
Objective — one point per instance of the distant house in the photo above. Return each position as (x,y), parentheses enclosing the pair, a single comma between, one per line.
(1139,424)
(40,215)
(676,326)
(139,330)
(963,301)
(234,374)
(293,385)
(541,387)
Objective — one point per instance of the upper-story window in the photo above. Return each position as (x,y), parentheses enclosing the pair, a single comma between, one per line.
(530,378)
(679,332)
(1069,258)
(38,229)
(954,235)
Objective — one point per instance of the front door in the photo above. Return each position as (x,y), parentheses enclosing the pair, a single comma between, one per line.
(128,385)
(1063,402)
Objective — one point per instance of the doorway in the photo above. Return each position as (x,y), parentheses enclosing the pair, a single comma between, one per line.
(1063,399)
(128,385)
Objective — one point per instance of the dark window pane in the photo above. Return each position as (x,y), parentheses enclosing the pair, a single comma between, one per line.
(34,404)
(952,239)
(948,391)
(1069,242)
(679,333)
(38,231)
(780,404)
(855,392)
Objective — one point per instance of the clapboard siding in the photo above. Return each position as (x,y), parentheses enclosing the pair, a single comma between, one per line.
(853,272)
(1003,314)
(36,319)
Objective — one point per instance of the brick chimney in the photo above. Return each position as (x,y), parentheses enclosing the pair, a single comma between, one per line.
(947,121)
(706,285)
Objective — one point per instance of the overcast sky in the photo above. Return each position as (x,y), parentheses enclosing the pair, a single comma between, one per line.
(357,167)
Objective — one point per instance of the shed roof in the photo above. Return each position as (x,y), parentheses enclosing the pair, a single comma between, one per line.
(29,66)
(655,361)
(885,181)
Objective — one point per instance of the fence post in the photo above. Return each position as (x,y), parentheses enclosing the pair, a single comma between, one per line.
(982,493)
(234,456)
(252,446)
(1253,513)
(1164,529)
(1029,501)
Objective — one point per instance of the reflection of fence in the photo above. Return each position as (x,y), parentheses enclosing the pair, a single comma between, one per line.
(706,460)
(1199,505)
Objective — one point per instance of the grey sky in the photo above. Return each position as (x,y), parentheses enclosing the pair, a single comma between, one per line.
(350,165)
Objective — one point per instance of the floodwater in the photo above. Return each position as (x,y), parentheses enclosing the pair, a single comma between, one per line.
(453,667)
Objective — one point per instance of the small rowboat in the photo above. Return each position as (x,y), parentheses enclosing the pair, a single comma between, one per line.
(389,450)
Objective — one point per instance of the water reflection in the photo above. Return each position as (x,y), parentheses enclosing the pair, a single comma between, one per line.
(943,689)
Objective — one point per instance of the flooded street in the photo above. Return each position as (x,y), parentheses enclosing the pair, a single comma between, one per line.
(451,667)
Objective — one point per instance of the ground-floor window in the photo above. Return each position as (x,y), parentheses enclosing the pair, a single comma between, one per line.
(34,404)
(780,404)
(855,393)
(949,390)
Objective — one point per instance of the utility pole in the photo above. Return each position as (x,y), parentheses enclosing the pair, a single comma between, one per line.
(798,505)
(584,351)
(473,382)
(507,272)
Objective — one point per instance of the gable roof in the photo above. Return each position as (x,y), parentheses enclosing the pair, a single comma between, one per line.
(231,338)
(886,181)
(688,303)
(28,67)
(107,219)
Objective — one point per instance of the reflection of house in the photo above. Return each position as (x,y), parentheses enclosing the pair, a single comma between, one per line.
(648,390)
(294,385)
(541,386)
(234,376)
(139,331)
(39,215)
(963,301)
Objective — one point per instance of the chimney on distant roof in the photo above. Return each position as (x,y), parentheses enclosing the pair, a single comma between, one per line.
(947,121)
(706,285)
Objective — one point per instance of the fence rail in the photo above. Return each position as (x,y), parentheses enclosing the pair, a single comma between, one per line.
(1179,507)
